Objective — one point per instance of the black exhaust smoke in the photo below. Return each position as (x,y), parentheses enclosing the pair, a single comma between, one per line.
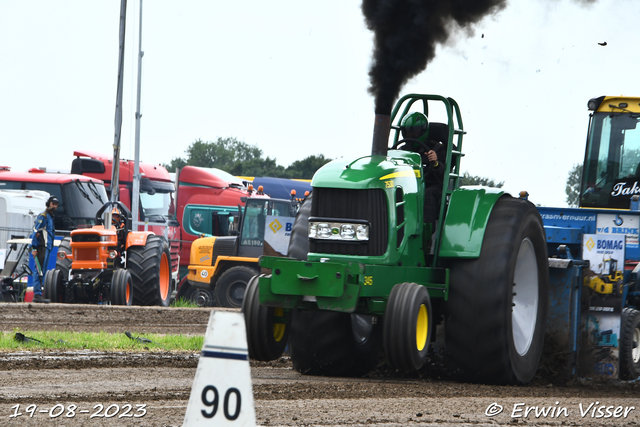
(406,33)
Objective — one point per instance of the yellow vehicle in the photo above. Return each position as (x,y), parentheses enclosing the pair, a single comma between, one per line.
(608,282)
(221,267)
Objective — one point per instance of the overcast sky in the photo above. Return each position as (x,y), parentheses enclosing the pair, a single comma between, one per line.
(291,77)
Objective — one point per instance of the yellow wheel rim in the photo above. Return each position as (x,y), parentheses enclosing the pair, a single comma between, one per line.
(422,328)
(278,328)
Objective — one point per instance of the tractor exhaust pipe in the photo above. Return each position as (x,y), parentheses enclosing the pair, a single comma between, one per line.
(381,129)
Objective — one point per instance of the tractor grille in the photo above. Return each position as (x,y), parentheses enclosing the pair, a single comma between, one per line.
(369,205)
(85,254)
(86,237)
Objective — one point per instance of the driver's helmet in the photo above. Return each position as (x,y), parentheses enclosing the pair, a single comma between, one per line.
(116,217)
(414,125)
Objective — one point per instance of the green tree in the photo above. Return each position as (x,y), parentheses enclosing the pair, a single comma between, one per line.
(468,179)
(258,167)
(305,168)
(573,186)
(242,159)
(224,153)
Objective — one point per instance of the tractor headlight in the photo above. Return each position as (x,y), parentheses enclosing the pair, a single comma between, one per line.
(345,231)
(362,232)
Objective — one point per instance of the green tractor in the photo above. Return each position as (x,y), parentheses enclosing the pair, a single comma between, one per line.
(370,272)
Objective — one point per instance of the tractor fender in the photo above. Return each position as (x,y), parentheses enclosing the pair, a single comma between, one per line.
(138,238)
(466,221)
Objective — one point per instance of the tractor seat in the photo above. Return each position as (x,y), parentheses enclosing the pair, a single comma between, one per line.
(439,132)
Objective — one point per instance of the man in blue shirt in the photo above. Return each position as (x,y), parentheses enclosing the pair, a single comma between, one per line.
(42,239)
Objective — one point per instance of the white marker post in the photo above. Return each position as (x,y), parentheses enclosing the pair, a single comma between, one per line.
(221,394)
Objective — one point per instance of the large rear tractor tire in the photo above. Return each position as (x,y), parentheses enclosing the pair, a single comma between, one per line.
(64,265)
(231,286)
(150,268)
(121,288)
(53,286)
(407,326)
(497,307)
(267,330)
(630,344)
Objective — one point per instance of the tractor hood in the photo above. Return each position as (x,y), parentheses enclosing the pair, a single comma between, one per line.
(370,171)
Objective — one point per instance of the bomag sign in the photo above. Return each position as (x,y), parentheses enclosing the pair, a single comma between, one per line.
(610,244)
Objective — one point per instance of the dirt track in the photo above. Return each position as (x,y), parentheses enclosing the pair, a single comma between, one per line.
(162,382)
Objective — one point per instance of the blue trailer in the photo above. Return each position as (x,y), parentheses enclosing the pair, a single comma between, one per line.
(593,327)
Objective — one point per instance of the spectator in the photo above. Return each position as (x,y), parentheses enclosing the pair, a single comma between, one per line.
(42,239)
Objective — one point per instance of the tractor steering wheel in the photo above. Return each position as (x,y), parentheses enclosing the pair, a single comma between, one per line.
(429,165)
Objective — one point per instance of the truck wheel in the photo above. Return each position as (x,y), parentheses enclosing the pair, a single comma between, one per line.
(497,307)
(630,344)
(407,326)
(64,265)
(267,334)
(121,288)
(230,288)
(53,286)
(150,268)
(198,296)
(333,344)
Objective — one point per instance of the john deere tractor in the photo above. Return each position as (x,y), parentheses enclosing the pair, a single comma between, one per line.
(368,276)
(111,264)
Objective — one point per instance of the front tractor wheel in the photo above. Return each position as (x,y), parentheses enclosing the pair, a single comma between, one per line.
(267,331)
(497,307)
(64,264)
(150,268)
(53,286)
(407,326)
(121,288)
(230,288)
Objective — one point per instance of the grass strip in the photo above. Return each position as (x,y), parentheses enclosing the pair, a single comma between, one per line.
(183,302)
(100,341)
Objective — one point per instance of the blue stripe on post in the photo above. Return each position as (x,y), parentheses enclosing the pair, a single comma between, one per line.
(221,355)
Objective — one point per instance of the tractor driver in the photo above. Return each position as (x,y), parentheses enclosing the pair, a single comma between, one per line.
(118,222)
(416,126)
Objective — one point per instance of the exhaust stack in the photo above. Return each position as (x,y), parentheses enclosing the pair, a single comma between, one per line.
(381,129)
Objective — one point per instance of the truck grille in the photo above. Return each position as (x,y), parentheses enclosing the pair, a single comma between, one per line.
(370,205)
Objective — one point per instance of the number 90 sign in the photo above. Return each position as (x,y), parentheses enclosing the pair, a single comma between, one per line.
(213,402)
(224,361)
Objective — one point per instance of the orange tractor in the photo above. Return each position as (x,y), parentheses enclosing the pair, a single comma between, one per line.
(111,264)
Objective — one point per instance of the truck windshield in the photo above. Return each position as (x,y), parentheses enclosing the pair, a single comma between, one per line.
(157,205)
(79,200)
(611,173)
